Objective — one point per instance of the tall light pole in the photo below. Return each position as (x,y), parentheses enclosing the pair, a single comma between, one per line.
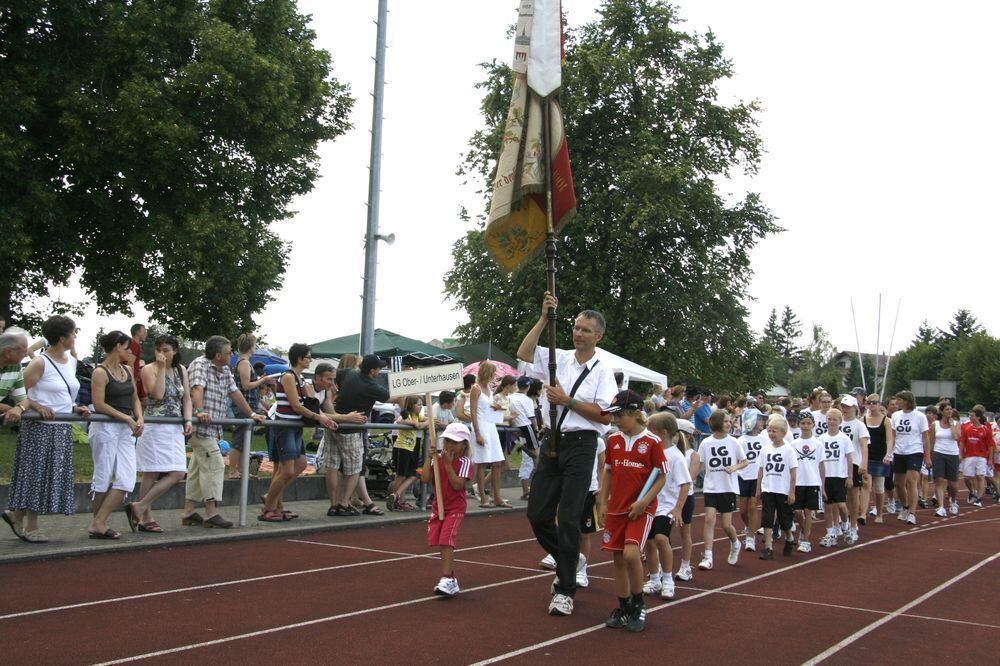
(372,236)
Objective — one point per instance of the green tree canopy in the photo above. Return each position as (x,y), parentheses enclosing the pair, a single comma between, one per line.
(654,244)
(148,145)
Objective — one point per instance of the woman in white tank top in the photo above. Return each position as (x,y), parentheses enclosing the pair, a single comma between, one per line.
(487,450)
(944,436)
(42,473)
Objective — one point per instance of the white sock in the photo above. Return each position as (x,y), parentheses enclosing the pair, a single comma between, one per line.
(666,577)
(655,577)
(685,563)
(831,531)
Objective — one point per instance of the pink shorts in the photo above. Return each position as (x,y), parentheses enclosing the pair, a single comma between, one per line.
(444,532)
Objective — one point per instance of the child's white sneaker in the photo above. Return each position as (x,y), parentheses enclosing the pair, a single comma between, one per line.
(447,587)
(652,586)
(685,573)
(954,508)
(582,580)
(941,512)
(751,545)
(734,552)
(667,591)
(829,541)
(804,547)
(561,605)
(548,562)
(705,564)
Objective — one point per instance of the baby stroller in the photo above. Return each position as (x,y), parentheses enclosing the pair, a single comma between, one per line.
(378,468)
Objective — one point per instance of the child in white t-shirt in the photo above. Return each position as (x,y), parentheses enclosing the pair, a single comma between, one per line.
(670,507)
(721,458)
(838,456)
(776,485)
(809,478)
(749,507)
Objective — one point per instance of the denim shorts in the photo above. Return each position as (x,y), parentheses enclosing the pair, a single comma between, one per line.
(287,444)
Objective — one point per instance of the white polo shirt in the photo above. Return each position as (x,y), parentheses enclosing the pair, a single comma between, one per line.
(598,387)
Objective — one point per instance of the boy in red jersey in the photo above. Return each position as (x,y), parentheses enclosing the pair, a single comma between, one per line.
(975,448)
(631,456)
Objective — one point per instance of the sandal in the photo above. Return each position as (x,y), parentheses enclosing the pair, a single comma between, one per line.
(503,504)
(35,537)
(134,518)
(272,517)
(372,510)
(107,534)
(289,515)
(8,518)
(151,526)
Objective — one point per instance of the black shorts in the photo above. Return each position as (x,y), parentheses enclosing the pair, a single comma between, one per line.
(588,519)
(721,502)
(857,476)
(404,463)
(806,498)
(662,525)
(774,505)
(687,511)
(530,440)
(911,462)
(945,466)
(748,487)
(836,490)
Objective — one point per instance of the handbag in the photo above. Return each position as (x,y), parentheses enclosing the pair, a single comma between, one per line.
(544,437)
(312,404)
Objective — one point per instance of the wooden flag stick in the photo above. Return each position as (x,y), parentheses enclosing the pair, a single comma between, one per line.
(435,458)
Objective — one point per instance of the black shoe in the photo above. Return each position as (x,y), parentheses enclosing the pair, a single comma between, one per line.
(922,503)
(767,554)
(619,618)
(787,550)
(636,619)
(934,502)
(862,521)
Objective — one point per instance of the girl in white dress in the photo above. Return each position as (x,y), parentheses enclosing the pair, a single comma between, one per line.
(487,452)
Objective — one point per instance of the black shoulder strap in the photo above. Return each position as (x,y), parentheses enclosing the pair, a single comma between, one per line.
(61,376)
(576,386)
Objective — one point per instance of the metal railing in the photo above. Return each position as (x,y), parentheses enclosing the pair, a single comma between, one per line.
(245,460)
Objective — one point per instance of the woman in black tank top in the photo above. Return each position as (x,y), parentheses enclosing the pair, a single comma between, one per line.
(878,471)
(113,444)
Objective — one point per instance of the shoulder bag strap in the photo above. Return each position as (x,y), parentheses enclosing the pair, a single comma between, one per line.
(61,376)
(576,386)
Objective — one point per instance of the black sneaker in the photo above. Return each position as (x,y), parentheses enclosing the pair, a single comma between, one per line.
(922,503)
(637,619)
(934,502)
(619,618)
(767,554)
(787,550)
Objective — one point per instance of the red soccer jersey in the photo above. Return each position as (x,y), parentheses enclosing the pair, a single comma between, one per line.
(631,461)
(454,500)
(977,439)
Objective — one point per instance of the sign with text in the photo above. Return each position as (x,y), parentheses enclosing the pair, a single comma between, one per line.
(425,380)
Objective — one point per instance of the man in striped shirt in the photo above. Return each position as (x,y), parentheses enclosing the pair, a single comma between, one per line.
(13,348)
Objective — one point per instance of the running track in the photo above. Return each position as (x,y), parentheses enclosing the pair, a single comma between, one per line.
(902,595)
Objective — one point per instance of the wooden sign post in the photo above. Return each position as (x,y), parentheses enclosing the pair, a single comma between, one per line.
(435,458)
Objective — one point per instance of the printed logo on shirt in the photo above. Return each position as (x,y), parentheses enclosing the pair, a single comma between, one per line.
(642,448)
(904,426)
(720,457)
(833,450)
(754,447)
(775,463)
(807,453)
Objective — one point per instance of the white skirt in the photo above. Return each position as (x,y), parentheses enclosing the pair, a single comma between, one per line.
(161,448)
(490,451)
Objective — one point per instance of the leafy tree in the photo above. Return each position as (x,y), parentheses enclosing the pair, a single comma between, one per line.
(654,245)
(963,324)
(925,333)
(975,364)
(818,366)
(772,332)
(96,350)
(791,331)
(148,145)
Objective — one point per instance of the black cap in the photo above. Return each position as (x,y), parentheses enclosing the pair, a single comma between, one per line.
(624,400)
(370,362)
(523,381)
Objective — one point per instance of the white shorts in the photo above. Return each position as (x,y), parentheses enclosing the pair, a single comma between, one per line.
(161,448)
(974,466)
(527,466)
(113,447)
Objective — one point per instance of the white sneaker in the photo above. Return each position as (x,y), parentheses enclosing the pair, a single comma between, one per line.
(548,562)
(667,591)
(912,519)
(873,511)
(561,605)
(705,564)
(581,579)
(941,513)
(891,506)
(447,587)
(652,586)
(685,573)
(751,545)
(734,552)
(581,564)
(845,529)
(760,531)
(902,515)
(954,508)
(829,541)
(851,538)
(804,547)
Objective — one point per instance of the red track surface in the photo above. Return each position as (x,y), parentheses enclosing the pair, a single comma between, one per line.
(900,596)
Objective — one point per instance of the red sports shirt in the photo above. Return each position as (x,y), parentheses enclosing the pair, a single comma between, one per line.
(454,500)
(977,439)
(631,461)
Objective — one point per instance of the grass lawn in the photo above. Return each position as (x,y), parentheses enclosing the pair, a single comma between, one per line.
(83,463)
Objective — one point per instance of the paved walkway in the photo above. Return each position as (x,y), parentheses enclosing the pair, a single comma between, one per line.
(68,534)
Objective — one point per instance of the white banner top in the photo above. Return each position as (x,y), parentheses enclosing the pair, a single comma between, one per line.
(425,380)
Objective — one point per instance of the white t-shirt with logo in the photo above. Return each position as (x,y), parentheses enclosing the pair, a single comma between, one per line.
(836,449)
(910,428)
(778,463)
(752,446)
(677,475)
(717,454)
(808,455)
(821,423)
(857,431)
(795,433)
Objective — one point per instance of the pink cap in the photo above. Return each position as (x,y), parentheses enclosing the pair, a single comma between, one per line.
(458,432)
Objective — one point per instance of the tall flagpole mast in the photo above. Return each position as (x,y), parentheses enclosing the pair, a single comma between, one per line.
(550,269)
(888,357)
(857,342)
(878,336)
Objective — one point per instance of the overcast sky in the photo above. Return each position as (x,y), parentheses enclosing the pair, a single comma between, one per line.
(878,121)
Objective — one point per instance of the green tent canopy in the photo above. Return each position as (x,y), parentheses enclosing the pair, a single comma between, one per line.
(482,351)
(386,345)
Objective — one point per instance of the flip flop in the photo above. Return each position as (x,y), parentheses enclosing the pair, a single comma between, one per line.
(18,531)
(108,534)
(503,504)
(151,526)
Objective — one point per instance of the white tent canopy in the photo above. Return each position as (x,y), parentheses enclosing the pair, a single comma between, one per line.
(632,371)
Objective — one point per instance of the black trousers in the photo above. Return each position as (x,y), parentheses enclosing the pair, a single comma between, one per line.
(771,504)
(560,485)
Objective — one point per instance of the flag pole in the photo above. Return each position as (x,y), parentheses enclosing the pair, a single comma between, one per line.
(550,269)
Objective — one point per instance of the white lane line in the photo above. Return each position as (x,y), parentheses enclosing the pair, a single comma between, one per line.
(864,631)
(674,604)
(307,623)
(240,581)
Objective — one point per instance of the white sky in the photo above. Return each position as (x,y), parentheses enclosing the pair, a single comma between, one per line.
(877,118)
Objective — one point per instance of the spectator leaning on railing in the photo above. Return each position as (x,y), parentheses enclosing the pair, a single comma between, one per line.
(211,384)
(41,479)
(14,347)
